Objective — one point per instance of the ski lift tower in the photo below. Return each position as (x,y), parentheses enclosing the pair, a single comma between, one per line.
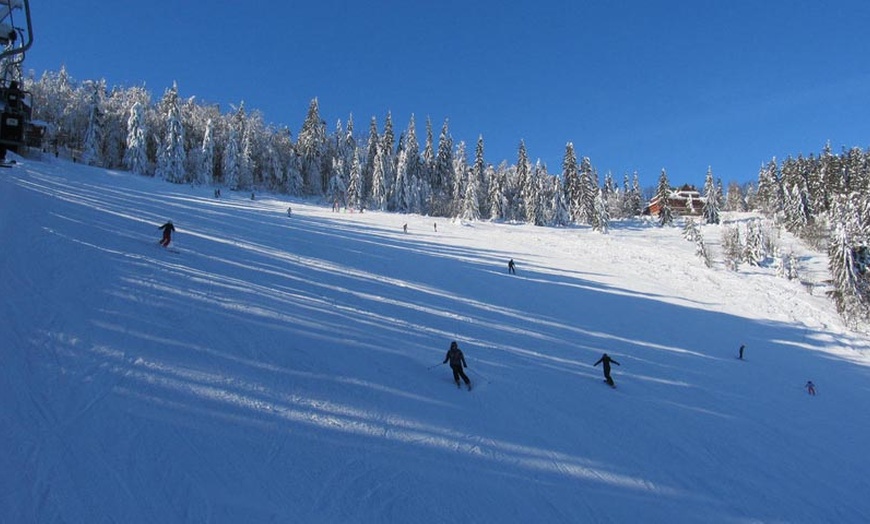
(16,105)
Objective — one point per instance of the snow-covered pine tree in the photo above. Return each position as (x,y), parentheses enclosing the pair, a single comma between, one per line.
(711,199)
(311,147)
(354,191)
(460,177)
(368,160)
(848,261)
(636,197)
(571,182)
(754,250)
(612,196)
(246,159)
(796,208)
(791,266)
(732,248)
(274,173)
(470,200)
(379,181)
(114,123)
(94,133)
(230,160)
(205,171)
(401,199)
(171,156)
(388,145)
(663,196)
(52,100)
(769,194)
(337,188)
(690,230)
(626,210)
(136,156)
(478,170)
(533,196)
(702,252)
(734,200)
(496,193)
(602,213)
(524,186)
(413,167)
(588,191)
(561,214)
(294,185)
(443,174)
(427,167)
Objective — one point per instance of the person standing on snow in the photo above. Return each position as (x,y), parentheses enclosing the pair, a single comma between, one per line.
(457,362)
(167,228)
(606,360)
(811,388)
(512,267)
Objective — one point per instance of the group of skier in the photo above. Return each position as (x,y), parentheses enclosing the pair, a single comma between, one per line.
(454,355)
(458,365)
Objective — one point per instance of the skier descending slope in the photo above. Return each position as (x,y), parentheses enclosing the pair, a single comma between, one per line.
(606,360)
(167,228)
(457,362)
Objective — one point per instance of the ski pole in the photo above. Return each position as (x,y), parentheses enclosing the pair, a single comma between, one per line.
(435,366)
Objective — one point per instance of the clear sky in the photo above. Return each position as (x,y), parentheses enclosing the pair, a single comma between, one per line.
(635,85)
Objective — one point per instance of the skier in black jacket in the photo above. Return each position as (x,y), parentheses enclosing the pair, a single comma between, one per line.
(606,360)
(457,362)
(167,228)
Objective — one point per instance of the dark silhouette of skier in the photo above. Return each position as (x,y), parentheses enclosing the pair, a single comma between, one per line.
(811,388)
(740,356)
(512,267)
(167,228)
(606,360)
(457,362)
(405,228)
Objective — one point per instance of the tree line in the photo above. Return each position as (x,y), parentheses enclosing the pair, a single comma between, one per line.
(822,198)
(192,142)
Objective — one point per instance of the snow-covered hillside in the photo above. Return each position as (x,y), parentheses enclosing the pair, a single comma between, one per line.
(277,369)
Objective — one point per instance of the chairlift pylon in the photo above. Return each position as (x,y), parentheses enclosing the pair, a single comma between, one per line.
(16,106)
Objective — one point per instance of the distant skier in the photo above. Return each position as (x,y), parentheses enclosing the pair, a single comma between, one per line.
(606,360)
(740,351)
(167,228)
(289,211)
(435,225)
(512,267)
(811,388)
(457,362)
(405,228)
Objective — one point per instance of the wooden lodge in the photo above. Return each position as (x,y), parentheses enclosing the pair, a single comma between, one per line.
(685,201)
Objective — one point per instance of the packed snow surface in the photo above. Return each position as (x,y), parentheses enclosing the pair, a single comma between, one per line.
(269,368)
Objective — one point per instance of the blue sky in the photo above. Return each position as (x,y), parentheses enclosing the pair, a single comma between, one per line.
(636,86)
